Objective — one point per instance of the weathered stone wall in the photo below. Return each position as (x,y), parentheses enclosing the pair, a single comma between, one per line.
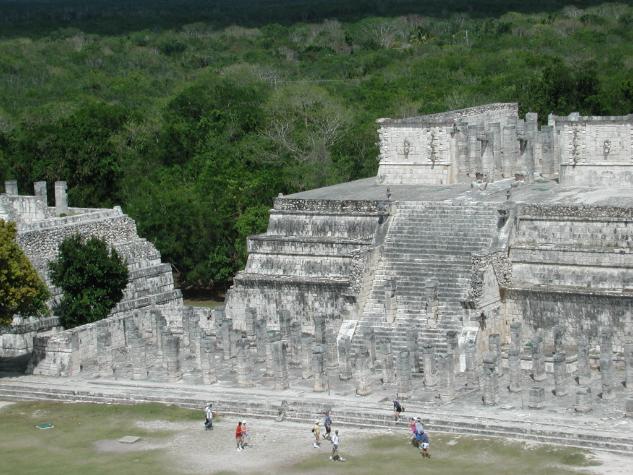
(571,265)
(307,262)
(594,151)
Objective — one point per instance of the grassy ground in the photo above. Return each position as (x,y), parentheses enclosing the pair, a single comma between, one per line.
(70,447)
(452,455)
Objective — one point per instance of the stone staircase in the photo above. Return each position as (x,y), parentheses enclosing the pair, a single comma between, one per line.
(427,262)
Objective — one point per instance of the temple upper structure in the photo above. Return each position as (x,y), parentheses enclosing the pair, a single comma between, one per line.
(489,143)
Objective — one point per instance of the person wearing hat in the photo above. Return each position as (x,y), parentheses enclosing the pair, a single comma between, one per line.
(316,430)
(208,417)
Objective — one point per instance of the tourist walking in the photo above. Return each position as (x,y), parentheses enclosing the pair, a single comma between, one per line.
(328,426)
(397,409)
(335,444)
(238,436)
(424,445)
(208,417)
(316,430)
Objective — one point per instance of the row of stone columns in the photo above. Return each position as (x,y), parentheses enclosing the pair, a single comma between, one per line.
(491,370)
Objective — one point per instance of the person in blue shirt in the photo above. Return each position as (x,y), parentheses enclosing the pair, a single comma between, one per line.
(424,441)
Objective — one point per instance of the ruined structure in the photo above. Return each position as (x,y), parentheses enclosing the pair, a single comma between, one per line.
(490,254)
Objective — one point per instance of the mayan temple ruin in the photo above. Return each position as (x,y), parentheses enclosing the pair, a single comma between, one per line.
(489,263)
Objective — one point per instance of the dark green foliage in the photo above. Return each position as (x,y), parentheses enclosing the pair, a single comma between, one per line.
(92,278)
(194,115)
(21,289)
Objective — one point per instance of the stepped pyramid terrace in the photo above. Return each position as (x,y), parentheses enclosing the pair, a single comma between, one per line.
(488,265)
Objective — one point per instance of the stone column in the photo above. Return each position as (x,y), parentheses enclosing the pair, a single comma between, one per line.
(269,369)
(295,344)
(628,365)
(207,358)
(583,399)
(538,358)
(606,363)
(363,387)
(490,380)
(560,374)
(515,336)
(583,368)
(11,187)
(308,343)
(369,339)
(280,361)
(319,329)
(628,407)
(225,335)
(330,339)
(318,368)
(447,392)
(388,366)
(514,363)
(412,347)
(285,321)
(172,358)
(536,397)
(345,359)
(404,374)
(41,191)
(558,333)
(472,379)
(494,345)
(61,200)
(104,350)
(428,350)
(452,340)
(136,347)
(244,365)
(261,336)
(250,314)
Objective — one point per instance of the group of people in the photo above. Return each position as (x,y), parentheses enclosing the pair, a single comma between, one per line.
(419,438)
(333,438)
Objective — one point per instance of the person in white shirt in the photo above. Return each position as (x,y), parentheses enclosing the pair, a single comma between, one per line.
(335,443)
(208,413)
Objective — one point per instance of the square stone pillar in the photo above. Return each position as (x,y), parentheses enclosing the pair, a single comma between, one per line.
(41,191)
(369,340)
(345,358)
(244,363)
(538,358)
(428,353)
(494,345)
(280,361)
(61,198)
(261,336)
(306,363)
(11,187)
(404,374)
(295,344)
(207,358)
(583,399)
(606,363)
(318,368)
(363,383)
(388,365)
(490,381)
(472,379)
(536,397)
(514,363)
(583,368)
(560,374)
(628,366)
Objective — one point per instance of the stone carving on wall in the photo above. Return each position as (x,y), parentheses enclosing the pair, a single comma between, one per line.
(606,149)
(406,148)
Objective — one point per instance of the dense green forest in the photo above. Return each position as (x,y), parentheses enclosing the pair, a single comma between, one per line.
(194,115)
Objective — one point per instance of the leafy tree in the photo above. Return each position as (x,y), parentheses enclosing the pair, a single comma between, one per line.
(21,289)
(92,277)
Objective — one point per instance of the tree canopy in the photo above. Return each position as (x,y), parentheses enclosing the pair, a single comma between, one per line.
(92,277)
(195,118)
(22,291)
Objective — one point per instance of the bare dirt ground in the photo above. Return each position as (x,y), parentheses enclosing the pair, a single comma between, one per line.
(271,445)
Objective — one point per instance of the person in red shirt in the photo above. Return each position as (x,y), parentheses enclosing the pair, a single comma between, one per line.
(239,436)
